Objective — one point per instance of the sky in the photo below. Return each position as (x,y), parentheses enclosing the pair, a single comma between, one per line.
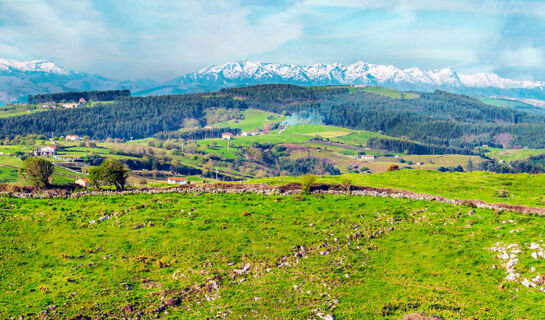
(163,39)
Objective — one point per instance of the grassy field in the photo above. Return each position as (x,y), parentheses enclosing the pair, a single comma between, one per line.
(391,93)
(511,104)
(18,110)
(513,154)
(520,189)
(253,120)
(201,256)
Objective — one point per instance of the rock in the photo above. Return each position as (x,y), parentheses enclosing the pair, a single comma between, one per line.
(172,302)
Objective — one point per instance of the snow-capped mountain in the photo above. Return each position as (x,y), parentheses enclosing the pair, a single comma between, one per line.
(31,66)
(18,79)
(249,72)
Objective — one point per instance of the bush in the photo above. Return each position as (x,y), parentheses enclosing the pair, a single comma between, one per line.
(37,171)
(306,182)
(393,167)
(346,184)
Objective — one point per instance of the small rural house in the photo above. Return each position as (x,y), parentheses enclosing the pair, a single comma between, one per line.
(177,180)
(82,100)
(83,182)
(73,137)
(368,157)
(248,134)
(227,136)
(48,151)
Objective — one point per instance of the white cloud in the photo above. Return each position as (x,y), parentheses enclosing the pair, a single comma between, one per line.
(499,7)
(167,39)
(527,57)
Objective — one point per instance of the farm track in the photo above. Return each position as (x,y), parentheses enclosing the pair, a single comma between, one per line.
(264,189)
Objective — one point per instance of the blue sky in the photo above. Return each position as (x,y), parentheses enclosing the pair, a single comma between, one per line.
(162,39)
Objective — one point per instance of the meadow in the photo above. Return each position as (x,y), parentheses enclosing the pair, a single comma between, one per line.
(253,256)
(519,189)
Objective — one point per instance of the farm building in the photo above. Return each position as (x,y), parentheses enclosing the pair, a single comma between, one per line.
(227,136)
(177,180)
(73,137)
(82,100)
(48,151)
(83,182)
(368,157)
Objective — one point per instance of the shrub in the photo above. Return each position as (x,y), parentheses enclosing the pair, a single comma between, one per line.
(306,182)
(393,167)
(346,184)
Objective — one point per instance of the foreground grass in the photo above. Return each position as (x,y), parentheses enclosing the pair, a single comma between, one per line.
(520,189)
(351,257)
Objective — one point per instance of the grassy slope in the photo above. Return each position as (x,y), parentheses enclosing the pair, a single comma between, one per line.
(391,93)
(253,120)
(523,189)
(513,154)
(511,104)
(422,257)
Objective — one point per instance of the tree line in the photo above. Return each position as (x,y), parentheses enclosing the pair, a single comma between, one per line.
(107,95)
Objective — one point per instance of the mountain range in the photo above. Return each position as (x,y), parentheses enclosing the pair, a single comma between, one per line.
(19,79)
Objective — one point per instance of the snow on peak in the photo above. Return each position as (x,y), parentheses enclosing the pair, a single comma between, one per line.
(360,72)
(32,66)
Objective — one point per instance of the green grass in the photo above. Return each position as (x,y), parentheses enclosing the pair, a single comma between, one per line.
(513,154)
(253,120)
(511,104)
(404,257)
(8,174)
(391,93)
(18,110)
(523,189)
(502,103)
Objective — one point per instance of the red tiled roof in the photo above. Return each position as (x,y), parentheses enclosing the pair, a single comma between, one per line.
(177,178)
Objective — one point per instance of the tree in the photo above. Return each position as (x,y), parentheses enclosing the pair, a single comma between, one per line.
(95,176)
(112,172)
(37,170)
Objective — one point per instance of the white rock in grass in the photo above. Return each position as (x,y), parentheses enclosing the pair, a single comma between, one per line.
(512,276)
(534,246)
(527,283)
(504,256)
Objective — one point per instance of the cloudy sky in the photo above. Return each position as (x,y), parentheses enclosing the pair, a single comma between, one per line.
(161,39)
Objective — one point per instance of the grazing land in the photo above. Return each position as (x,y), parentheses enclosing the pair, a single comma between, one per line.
(254,256)
(519,189)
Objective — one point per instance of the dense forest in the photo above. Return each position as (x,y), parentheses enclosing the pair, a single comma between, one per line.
(108,95)
(437,119)
(136,117)
(196,134)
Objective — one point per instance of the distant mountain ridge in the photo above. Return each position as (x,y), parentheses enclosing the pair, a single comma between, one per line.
(19,79)
(247,72)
